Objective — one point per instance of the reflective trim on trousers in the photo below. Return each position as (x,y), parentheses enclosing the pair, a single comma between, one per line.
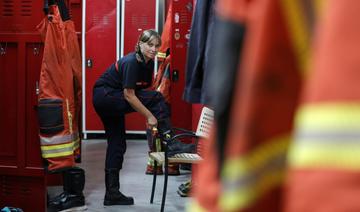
(58,139)
(57,150)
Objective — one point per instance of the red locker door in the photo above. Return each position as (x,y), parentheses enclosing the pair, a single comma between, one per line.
(139,15)
(22,177)
(100,46)
(9,62)
(34,54)
(180,33)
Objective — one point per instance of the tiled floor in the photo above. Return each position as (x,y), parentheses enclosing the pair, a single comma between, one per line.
(133,181)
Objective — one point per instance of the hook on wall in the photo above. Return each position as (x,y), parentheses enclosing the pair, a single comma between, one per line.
(36,49)
(3,49)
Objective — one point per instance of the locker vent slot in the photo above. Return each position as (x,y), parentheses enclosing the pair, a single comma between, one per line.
(25,190)
(7,188)
(104,22)
(26,8)
(7,8)
(139,20)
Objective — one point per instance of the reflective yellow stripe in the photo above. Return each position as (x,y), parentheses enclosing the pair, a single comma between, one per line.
(311,155)
(195,207)
(327,135)
(58,154)
(161,54)
(76,141)
(151,162)
(57,150)
(60,146)
(69,116)
(77,144)
(328,116)
(158,144)
(240,199)
(319,5)
(246,178)
(298,31)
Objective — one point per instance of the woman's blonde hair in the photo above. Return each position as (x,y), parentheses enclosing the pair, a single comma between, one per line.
(146,36)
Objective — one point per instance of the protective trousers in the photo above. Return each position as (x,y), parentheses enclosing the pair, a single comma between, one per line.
(111,106)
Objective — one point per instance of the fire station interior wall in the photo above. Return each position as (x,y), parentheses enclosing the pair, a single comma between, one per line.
(22,178)
(100,46)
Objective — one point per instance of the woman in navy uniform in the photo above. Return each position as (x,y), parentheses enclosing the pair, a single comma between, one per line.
(121,90)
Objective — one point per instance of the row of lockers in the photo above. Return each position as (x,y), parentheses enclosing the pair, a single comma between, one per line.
(107,29)
(111,31)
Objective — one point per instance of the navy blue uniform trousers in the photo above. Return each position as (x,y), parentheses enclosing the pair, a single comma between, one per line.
(111,106)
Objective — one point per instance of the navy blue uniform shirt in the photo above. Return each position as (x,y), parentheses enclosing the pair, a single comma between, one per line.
(130,74)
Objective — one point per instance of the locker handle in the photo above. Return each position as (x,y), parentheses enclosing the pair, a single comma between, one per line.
(175,75)
(37,89)
(89,63)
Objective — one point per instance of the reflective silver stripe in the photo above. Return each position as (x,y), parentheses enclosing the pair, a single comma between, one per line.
(58,139)
(328,136)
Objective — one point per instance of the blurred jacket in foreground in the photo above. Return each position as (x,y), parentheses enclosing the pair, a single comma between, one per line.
(324,159)
(246,164)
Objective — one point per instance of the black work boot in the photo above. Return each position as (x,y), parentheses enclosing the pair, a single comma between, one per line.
(72,199)
(173,146)
(113,196)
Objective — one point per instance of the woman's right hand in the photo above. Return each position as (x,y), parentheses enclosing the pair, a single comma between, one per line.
(151,122)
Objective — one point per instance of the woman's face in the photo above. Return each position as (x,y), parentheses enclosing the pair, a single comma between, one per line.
(150,48)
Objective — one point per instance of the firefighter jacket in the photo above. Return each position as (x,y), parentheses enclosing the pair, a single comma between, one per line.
(249,143)
(324,159)
(162,81)
(292,139)
(165,36)
(59,100)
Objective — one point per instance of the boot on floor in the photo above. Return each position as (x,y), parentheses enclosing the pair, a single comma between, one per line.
(72,199)
(150,170)
(173,169)
(113,196)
